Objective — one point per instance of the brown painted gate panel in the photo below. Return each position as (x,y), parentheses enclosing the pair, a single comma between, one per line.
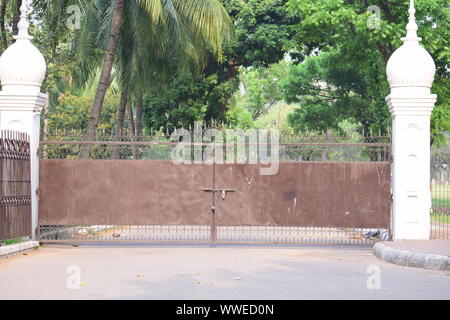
(135,192)
(122,192)
(306,194)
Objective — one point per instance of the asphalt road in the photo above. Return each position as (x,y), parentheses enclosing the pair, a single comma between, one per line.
(214,273)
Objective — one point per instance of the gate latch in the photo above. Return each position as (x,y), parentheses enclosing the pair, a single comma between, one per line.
(223,192)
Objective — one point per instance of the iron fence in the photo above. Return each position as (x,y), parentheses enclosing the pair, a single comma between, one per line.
(15,185)
(288,149)
(440,190)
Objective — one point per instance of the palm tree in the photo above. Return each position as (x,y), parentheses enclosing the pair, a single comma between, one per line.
(143,35)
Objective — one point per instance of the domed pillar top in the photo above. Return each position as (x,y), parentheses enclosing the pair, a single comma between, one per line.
(22,66)
(411,69)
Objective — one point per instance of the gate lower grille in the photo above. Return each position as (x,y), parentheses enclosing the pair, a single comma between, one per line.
(201,234)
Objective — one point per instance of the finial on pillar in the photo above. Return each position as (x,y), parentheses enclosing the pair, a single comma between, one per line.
(412,27)
(23,24)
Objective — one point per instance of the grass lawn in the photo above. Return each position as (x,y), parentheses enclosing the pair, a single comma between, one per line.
(11,241)
(441,218)
(441,195)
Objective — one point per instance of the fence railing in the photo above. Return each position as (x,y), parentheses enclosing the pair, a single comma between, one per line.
(15,185)
(294,149)
(440,190)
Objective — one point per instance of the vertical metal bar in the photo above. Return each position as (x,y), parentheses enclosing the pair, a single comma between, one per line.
(213,194)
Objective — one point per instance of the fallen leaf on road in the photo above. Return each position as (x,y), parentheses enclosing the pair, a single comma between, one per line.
(140,275)
(83,284)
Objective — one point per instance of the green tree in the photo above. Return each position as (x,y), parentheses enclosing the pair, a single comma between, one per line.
(178,27)
(264,31)
(353,58)
(263,88)
(262,37)
(71,113)
(330,91)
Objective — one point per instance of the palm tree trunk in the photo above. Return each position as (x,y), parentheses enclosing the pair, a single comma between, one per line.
(139,100)
(105,76)
(120,122)
(131,126)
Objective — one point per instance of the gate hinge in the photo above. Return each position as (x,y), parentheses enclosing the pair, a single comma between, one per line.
(38,192)
(38,152)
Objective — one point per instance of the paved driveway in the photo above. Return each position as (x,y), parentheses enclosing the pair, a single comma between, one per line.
(213,273)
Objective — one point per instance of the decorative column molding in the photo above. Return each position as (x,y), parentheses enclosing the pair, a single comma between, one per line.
(14,102)
(420,106)
(22,71)
(411,72)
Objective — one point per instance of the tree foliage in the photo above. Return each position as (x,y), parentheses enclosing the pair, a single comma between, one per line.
(71,112)
(262,88)
(187,98)
(263,35)
(263,31)
(176,61)
(348,79)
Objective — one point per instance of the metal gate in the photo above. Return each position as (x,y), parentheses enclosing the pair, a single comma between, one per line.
(440,191)
(15,185)
(345,200)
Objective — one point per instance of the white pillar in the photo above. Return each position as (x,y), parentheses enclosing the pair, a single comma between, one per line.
(411,73)
(22,70)
(411,165)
